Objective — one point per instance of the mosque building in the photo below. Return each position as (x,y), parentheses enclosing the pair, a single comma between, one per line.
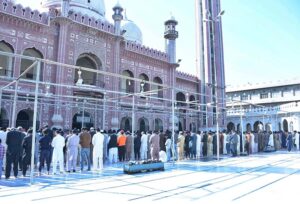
(77,32)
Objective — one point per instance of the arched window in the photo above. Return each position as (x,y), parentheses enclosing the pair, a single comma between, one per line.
(127,85)
(6,62)
(89,78)
(180,98)
(144,86)
(25,63)
(192,102)
(158,88)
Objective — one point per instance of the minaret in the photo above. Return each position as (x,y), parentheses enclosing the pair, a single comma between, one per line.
(117,17)
(65,7)
(171,35)
(209,57)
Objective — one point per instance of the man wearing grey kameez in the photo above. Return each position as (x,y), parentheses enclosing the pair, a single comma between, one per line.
(154,144)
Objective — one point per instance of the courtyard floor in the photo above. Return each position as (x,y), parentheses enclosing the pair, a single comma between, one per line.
(260,178)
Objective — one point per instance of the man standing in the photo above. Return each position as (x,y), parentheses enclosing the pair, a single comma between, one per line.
(58,144)
(144,146)
(45,150)
(128,146)
(112,148)
(122,142)
(72,151)
(98,141)
(85,142)
(27,145)
(14,142)
(154,144)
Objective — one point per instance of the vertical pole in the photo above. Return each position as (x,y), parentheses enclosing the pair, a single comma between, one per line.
(173,125)
(82,120)
(133,126)
(103,115)
(242,125)
(215,85)
(34,120)
(206,118)
(13,117)
(218,135)
(0,100)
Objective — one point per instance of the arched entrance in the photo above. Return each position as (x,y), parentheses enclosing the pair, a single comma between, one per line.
(126,124)
(230,126)
(81,120)
(285,125)
(4,122)
(25,119)
(158,124)
(258,126)
(143,124)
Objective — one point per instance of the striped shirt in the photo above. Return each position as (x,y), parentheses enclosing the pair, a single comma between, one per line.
(2,152)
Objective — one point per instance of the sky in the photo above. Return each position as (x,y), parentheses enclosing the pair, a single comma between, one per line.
(261,37)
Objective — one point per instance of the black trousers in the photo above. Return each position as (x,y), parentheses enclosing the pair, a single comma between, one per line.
(137,153)
(45,156)
(121,152)
(26,160)
(12,158)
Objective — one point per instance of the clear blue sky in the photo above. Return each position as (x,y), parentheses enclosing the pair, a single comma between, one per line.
(261,37)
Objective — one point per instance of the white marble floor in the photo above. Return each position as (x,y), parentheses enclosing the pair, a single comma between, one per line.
(261,178)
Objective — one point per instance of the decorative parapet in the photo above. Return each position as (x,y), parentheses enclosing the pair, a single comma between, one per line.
(85,20)
(18,10)
(263,85)
(186,76)
(254,111)
(140,49)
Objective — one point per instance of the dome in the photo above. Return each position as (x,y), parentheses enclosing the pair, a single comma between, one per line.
(92,8)
(133,32)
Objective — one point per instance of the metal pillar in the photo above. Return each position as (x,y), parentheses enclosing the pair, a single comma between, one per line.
(13,117)
(133,127)
(34,120)
(173,125)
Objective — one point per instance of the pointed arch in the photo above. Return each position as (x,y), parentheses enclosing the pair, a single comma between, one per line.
(158,88)
(25,63)
(127,85)
(6,62)
(91,61)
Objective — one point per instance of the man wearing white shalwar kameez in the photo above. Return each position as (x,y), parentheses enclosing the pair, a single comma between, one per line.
(58,144)
(225,143)
(198,145)
(72,151)
(98,142)
(144,146)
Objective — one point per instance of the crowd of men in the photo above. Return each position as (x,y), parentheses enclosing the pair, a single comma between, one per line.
(90,149)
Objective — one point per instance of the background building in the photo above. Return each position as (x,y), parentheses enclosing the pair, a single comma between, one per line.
(266,106)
